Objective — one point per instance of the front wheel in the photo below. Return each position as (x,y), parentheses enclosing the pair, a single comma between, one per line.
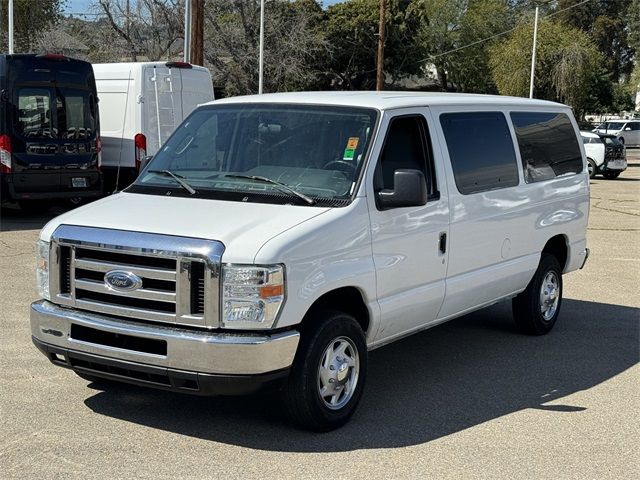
(327,376)
(536,310)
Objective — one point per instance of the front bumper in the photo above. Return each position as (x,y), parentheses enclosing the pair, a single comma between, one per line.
(158,355)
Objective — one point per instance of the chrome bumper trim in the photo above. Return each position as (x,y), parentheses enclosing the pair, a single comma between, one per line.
(196,351)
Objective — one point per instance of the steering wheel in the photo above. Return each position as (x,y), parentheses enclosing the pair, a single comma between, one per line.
(343,165)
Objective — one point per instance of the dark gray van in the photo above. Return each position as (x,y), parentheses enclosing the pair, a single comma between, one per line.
(49,130)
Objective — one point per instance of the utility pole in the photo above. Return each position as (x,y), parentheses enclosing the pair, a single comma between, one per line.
(10,27)
(187,31)
(380,65)
(261,57)
(197,32)
(533,53)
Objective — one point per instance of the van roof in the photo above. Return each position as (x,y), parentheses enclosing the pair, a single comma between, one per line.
(127,66)
(387,99)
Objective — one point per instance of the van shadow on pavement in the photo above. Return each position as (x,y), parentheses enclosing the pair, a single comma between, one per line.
(427,386)
(13,219)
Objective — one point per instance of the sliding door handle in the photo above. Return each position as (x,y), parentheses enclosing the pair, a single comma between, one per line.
(442,244)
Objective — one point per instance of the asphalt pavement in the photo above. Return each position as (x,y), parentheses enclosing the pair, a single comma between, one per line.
(468,399)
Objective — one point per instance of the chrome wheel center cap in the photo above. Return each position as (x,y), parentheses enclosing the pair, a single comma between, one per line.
(343,372)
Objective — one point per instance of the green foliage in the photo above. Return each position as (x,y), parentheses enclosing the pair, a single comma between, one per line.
(351,32)
(30,19)
(447,25)
(606,22)
(633,17)
(567,61)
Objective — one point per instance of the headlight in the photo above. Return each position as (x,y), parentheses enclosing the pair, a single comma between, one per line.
(42,269)
(251,295)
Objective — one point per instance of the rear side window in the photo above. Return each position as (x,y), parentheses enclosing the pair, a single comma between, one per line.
(481,151)
(548,145)
(634,126)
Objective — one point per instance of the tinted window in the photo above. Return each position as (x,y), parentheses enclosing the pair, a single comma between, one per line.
(405,147)
(615,126)
(34,113)
(634,125)
(548,145)
(72,114)
(76,113)
(481,151)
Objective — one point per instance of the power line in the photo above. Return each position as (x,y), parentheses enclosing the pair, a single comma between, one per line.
(477,42)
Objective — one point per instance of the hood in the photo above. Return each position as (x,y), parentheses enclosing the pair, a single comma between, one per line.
(242,227)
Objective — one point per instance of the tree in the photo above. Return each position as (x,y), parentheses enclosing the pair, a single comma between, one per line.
(30,20)
(566,62)
(351,31)
(293,44)
(150,29)
(605,21)
(452,34)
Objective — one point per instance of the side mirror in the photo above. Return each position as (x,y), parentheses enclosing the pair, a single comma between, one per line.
(409,190)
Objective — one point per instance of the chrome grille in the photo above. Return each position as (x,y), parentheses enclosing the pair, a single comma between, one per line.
(179,275)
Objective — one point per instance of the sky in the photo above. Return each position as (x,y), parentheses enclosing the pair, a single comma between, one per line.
(83,6)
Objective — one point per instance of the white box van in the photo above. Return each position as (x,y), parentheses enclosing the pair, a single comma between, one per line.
(140,106)
(278,238)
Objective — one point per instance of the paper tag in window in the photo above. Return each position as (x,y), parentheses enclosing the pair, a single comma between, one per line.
(352,144)
(348,154)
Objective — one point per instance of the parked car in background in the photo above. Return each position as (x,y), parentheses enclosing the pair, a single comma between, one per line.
(49,130)
(627,131)
(605,155)
(278,238)
(140,106)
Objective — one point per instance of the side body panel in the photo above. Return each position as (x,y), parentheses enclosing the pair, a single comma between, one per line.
(595,151)
(497,235)
(116,107)
(410,269)
(322,254)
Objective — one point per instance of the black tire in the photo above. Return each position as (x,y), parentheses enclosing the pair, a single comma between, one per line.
(611,175)
(592,168)
(301,393)
(527,306)
(35,206)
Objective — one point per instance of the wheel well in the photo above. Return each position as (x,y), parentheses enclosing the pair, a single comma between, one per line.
(557,246)
(346,299)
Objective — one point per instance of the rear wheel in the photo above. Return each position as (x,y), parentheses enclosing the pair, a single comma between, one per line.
(328,373)
(536,310)
(611,175)
(591,167)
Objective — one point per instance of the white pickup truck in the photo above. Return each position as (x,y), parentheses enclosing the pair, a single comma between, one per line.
(279,238)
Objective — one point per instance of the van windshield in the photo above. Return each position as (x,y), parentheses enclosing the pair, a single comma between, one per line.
(316,150)
(55,113)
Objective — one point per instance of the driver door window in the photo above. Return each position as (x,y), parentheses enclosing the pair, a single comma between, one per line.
(405,147)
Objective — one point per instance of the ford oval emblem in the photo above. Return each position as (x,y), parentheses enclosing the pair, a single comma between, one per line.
(122,281)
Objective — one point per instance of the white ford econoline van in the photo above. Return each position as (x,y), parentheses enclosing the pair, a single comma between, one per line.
(280,237)
(140,105)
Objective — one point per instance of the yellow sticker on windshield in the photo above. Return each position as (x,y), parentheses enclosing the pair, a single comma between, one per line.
(352,144)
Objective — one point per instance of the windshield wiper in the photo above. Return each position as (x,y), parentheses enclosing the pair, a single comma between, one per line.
(177,178)
(282,186)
